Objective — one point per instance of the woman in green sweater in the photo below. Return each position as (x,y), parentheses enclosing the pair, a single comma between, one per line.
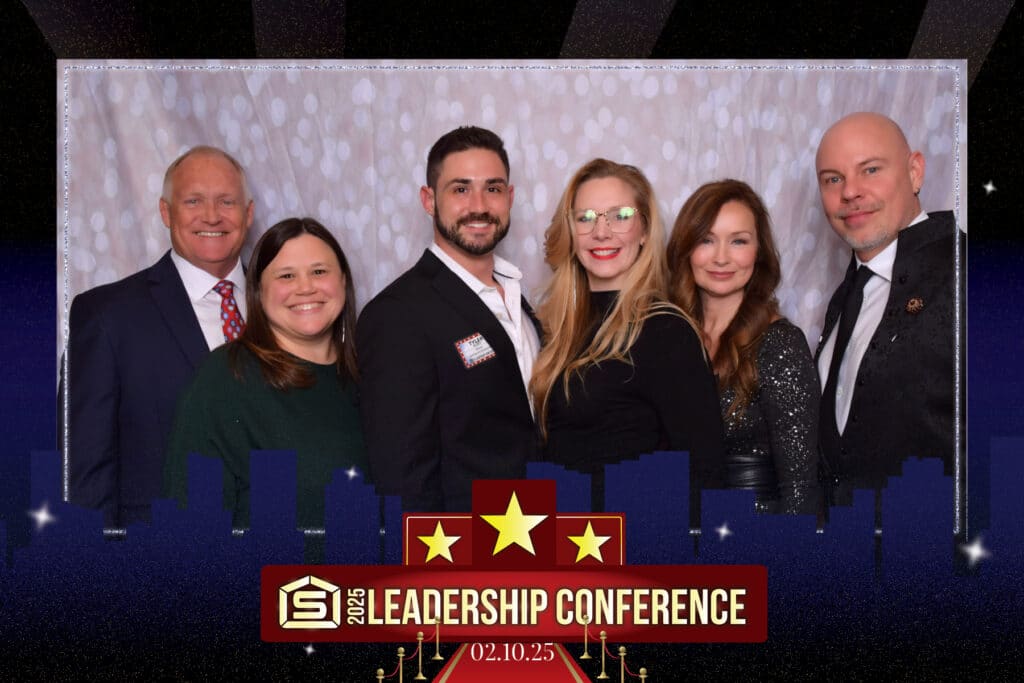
(287,383)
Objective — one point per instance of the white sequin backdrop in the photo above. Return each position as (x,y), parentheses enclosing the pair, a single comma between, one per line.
(346,143)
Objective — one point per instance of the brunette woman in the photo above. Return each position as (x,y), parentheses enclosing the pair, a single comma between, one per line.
(725,270)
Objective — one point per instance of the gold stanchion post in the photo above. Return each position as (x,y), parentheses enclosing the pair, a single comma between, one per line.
(437,641)
(401,656)
(586,627)
(602,676)
(622,664)
(419,650)
(643,674)
(380,675)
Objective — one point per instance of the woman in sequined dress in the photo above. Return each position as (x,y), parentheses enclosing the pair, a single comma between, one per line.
(622,371)
(725,269)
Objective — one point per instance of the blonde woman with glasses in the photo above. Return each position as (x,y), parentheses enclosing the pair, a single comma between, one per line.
(622,372)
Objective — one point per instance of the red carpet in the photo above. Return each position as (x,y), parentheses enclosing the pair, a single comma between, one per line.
(472,665)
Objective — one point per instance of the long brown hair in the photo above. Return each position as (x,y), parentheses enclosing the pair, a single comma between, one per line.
(280,369)
(566,311)
(735,358)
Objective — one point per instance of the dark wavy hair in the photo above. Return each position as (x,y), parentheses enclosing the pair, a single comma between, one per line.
(460,140)
(735,358)
(280,369)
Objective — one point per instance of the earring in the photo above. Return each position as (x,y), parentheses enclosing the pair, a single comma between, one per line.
(342,334)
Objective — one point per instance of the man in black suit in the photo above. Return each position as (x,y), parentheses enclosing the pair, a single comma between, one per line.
(888,370)
(135,344)
(446,350)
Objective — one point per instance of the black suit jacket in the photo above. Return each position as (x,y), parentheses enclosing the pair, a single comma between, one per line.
(133,347)
(433,425)
(904,395)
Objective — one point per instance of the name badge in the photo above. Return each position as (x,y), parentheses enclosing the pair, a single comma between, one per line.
(474,350)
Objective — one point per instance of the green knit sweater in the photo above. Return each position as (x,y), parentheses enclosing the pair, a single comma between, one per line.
(225,417)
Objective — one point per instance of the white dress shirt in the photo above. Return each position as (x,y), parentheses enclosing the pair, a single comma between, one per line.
(205,301)
(876,294)
(508,310)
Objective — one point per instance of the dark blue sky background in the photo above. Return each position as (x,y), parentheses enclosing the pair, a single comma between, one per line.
(832,605)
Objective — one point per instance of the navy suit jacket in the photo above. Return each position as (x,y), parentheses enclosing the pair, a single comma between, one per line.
(433,425)
(133,347)
(904,394)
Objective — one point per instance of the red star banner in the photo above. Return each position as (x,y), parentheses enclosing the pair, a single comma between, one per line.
(514,525)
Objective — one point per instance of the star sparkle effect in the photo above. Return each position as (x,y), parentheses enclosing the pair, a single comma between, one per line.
(514,527)
(439,545)
(723,531)
(352,473)
(42,516)
(975,551)
(589,544)
(309,649)
(989,187)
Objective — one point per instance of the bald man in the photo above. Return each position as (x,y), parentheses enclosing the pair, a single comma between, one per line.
(135,344)
(887,370)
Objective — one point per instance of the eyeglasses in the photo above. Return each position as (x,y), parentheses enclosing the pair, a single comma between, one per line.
(618,218)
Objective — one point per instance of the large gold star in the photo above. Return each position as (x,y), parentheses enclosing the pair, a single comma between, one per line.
(439,545)
(514,527)
(589,544)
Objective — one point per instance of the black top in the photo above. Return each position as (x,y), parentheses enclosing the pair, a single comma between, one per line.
(665,399)
(771,445)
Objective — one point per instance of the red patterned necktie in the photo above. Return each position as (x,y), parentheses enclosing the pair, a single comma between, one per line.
(230,316)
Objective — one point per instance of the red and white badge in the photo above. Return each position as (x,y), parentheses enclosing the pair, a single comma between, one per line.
(474,350)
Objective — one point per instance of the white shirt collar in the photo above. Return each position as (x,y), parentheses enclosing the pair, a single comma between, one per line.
(502,268)
(198,282)
(884,261)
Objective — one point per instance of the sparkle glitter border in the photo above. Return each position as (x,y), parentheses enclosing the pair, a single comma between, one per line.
(960,497)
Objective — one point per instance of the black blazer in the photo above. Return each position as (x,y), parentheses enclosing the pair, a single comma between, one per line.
(432,424)
(133,347)
(904,396)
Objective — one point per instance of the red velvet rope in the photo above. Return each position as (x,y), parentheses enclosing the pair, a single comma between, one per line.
(405,659)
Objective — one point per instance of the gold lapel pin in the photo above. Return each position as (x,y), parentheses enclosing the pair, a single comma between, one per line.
(915,305)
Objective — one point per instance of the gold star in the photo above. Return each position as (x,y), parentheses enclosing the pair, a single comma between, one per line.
(439,545)
(514,527)
(589,544)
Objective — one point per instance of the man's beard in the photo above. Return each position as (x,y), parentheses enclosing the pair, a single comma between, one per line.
(866,244)
(452,234)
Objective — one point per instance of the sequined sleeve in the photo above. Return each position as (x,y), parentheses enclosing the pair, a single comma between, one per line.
(791,392)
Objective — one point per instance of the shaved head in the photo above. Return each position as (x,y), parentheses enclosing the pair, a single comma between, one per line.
(869,180)
(868,123)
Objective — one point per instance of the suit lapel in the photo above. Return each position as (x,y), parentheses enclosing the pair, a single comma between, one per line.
(908,275)
(906,281)
(468,304)
(172,303)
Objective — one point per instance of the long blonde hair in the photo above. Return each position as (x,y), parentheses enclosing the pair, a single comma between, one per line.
(566,311)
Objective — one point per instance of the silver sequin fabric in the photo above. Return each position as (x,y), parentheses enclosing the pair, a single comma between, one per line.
(772,445)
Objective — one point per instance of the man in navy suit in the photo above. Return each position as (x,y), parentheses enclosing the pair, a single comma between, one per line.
(446,350)
(889,390)
(135,344)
